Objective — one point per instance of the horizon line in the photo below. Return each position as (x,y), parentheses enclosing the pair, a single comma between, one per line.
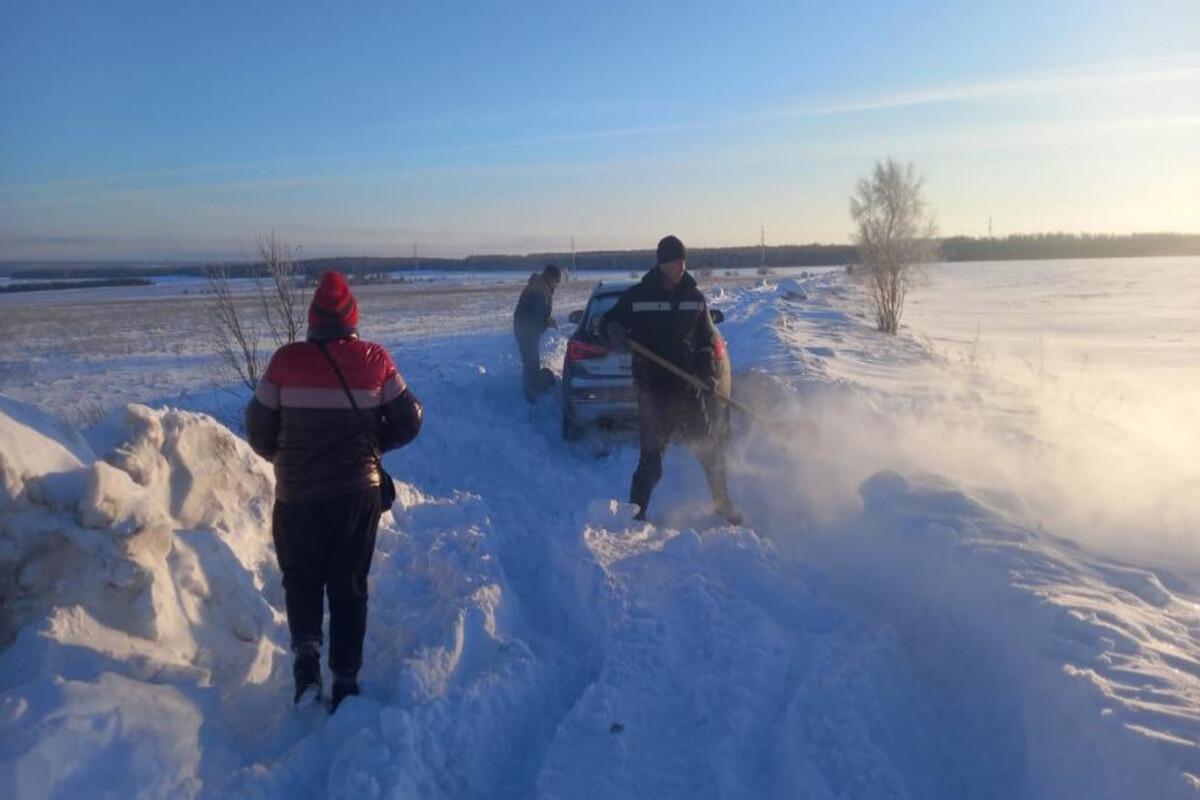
(202,261)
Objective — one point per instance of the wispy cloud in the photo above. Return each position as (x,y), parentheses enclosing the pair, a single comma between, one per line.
(1141,75)
(867,143)
(1076,80)
(595,135)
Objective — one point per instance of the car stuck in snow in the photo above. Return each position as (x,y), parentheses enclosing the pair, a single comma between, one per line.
(597,380)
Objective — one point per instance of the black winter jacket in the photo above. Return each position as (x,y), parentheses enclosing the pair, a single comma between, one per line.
(674,324)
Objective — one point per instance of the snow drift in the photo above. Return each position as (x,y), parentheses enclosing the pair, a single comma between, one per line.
(874,631)
(136,590)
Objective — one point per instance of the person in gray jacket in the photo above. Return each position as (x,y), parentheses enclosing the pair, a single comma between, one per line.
(530,320)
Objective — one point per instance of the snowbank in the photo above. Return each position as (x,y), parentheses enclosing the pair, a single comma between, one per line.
(34,444)
(1060,670)
(134,591)
(1079,670)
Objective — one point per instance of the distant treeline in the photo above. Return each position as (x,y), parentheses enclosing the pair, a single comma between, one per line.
(614,260)
(50,286)
(1034,246)
(123,271)
(956,248)
(790,255)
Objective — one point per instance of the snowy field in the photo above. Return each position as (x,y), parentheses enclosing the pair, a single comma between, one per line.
(981,580)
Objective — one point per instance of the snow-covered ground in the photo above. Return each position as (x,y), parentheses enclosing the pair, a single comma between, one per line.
(980,579)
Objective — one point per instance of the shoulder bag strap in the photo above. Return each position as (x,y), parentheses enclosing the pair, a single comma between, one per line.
(350,396)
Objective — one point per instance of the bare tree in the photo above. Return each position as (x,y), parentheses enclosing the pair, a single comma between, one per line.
(894,232)
(280,293)
(238,328)
(234,334)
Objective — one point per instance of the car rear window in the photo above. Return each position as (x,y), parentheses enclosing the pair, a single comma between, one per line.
(597,307)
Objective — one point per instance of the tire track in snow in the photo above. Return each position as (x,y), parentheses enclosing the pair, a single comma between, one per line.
(479,438)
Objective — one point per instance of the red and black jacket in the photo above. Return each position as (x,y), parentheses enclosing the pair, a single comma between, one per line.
(301,420)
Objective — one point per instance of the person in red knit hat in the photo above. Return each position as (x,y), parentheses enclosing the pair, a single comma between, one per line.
(334,311)
(324,413)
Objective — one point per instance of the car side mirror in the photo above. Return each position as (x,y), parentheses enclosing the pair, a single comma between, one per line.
(717,316)
(576,316)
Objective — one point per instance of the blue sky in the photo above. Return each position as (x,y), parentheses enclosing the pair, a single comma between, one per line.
(183,129)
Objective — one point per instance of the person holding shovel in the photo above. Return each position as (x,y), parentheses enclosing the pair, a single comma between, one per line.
(666,317)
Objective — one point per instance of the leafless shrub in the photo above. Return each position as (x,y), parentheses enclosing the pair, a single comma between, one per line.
(894,232)
(276,310)
(234,334)
(280,292)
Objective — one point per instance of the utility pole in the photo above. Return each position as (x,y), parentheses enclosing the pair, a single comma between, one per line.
(762,247)
(414,256)
(572,254)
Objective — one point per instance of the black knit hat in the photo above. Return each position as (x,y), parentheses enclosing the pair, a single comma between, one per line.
(552,272)
(670,249)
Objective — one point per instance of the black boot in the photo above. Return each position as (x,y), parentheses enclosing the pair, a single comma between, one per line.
(640,498)
(343,687)
(306,670)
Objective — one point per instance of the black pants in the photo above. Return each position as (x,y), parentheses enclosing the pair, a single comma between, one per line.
(325,547)
(529,346)
(703,425)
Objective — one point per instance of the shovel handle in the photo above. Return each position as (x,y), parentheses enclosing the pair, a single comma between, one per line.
(692,380)
(804,429)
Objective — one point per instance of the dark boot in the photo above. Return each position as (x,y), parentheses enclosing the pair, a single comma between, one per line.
(343,687)
(306,670)
(645,478)
(711,454)
(728,511)
(654,433)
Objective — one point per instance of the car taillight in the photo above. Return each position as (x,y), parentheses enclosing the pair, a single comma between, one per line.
(719,349)
(578,351)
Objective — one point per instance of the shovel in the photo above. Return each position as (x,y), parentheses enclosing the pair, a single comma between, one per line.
(805,430)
